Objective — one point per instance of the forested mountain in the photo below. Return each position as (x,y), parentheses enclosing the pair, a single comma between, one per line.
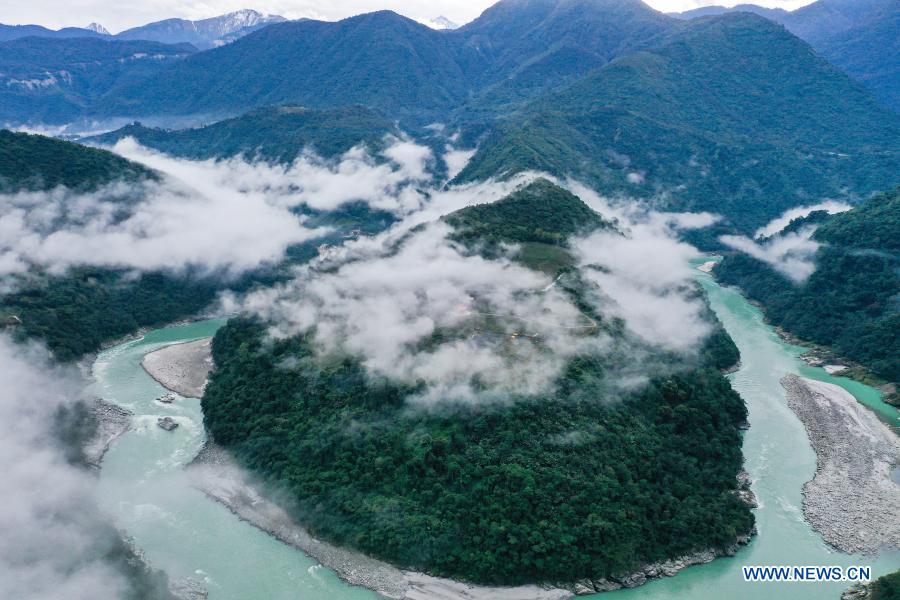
(74,313)
(400,67)
(56,80)
(732,115)
(36,162)
(860,36)
(381,60)
(273,134)
(532,489)
(529,46)
(204,33)
(850,302)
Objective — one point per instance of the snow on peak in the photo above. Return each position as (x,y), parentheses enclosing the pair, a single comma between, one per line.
(97,28)
(441,22)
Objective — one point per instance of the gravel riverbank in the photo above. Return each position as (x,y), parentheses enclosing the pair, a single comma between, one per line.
(112,421)
(852,501)
(182,368)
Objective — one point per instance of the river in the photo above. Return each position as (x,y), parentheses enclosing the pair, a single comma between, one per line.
(142,484)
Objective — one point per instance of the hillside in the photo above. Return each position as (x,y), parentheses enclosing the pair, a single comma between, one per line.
(850,302)
(381,60)
(530,46)
(49,81)
(732,115)
(540,212)
(509,489)
(35,162)
(859,36)
(273,134)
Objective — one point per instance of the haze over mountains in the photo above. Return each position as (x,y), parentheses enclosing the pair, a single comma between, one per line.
(203,33)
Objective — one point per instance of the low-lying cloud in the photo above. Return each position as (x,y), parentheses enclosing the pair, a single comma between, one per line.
(212,216)
(52,544)
(778,224)
(791,254)
(382,298)
(384,308)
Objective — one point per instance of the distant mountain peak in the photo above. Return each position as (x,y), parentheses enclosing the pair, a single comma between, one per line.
(97,28)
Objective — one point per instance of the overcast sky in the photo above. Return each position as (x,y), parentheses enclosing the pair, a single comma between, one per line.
(116,15)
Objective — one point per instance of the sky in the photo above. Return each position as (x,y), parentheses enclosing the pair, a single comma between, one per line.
(116,15)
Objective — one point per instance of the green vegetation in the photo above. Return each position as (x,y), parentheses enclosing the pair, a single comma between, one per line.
(732,115)
(52,80)
(539,212)
(74,314)
(277,134)
(585,483)
(850,303)
(585,480)
(886,587)
(36,162)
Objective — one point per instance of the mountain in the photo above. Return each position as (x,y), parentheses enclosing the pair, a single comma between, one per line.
(48,80)
(731,115)
(12,32)
(274,134)
(522,489)
(860,36)
(205,33)
(36,162)
(774,14)
(850,302)
(381,60)
(528,46)
(401,68)
(868,50)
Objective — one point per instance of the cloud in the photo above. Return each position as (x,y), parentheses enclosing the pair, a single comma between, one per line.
(384,305)
(776,225)
(382,299)
(214,216)
(52,538)
(791,254)
(644,278)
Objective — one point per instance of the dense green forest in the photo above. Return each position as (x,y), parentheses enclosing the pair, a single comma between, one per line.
(581,484)
(585,480)
(277,134)
(886,587)
(851,302)
(72,73)
(539,212)
(74,314)
(37,162)
(731,115)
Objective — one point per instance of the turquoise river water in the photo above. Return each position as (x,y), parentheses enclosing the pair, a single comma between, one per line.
(188,535)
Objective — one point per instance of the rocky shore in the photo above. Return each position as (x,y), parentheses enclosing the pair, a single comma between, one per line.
(214,472)
(112,421)
(851,501)
(182,368)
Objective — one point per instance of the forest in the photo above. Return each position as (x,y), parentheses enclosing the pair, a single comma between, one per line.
(850,302)
(584,480)
(584,483)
